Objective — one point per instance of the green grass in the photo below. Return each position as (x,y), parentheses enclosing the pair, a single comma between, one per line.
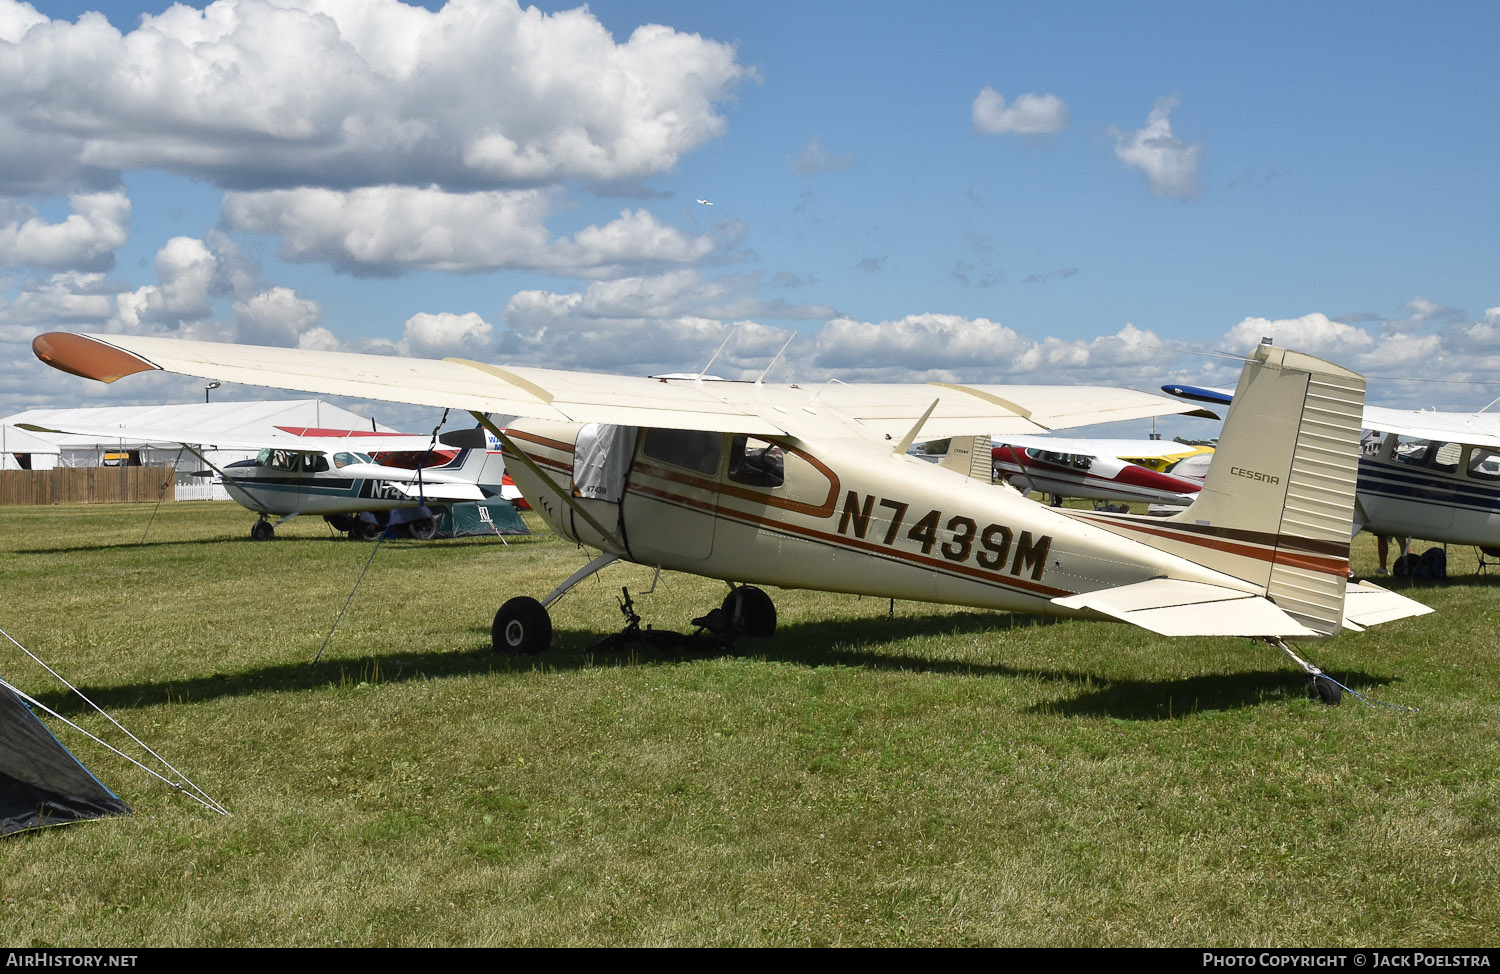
(940,777)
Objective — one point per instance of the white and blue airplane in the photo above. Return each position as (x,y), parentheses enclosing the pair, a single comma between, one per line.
(336,475)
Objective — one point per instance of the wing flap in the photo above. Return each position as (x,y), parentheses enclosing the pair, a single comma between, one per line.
(1173,607)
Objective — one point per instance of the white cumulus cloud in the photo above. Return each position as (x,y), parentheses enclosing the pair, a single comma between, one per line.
(1169,164)
(260,93)
(1028,115)
(85,240)
(383,230)
(442,335)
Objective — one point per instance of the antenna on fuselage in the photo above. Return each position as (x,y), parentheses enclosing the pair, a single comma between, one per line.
(704,371)
(773,361)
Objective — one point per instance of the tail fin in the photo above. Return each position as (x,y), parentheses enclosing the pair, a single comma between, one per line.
(1278,503)
(970,456)
(476,462)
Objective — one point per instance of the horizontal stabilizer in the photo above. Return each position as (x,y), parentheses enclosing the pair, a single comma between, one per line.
(442,492)
(1368,605)
(1173,607)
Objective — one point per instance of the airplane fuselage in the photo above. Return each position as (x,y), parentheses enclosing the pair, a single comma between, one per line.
(840,516)
(320,485)
(1444,492)
(1089,477)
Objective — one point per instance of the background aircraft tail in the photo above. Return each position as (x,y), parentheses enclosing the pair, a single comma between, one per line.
(476,463)
(1278,503)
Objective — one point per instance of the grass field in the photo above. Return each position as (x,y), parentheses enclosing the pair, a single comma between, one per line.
(939,776)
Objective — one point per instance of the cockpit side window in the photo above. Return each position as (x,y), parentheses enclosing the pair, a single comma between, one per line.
(690,449)
(1483,464)
(1427,453)
(344,459)
(279,459)
(756,463)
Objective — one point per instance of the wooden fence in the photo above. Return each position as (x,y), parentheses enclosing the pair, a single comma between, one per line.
(87,485)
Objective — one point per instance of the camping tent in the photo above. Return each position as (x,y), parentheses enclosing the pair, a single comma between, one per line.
(41,782)
(488,517)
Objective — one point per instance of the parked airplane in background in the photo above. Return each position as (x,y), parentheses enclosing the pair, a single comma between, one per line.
(1089,468)
(1422,473)
(812,488)
(332,475)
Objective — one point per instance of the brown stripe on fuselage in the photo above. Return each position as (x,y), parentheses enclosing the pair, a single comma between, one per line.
(1280,548)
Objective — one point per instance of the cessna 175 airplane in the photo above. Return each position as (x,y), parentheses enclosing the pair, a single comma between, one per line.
(812,488)
(1089,468)
(332,475)
(1422,473)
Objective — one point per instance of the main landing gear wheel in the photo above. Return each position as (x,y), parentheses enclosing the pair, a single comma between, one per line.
(521,626)
(1324,689)
(366,531)
(423,530)
(262,531)
(751,612)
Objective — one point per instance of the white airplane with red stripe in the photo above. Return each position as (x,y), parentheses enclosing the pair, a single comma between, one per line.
(1065,468)
(762,485)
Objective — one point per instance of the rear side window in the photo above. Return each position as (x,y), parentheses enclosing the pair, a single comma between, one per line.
(690,449)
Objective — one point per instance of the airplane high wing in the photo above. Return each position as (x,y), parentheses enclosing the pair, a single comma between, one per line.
(334,476)
(876,411)
(812,488)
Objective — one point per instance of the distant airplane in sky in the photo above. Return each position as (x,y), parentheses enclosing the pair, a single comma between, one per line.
(706,202)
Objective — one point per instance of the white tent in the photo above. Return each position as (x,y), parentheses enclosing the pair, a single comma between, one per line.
(241,420)
(21,450)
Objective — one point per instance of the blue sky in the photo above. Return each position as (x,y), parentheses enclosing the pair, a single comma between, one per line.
(984,192)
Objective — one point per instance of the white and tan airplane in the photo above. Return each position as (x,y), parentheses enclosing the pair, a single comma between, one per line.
(760,484)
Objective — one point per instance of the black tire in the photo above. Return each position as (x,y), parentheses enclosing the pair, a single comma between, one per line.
(423,530)
(751,612)
(262,531)
(521,626)
(365,531)
(1325,690)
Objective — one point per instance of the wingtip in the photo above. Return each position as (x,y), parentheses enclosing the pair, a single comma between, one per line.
(87,357)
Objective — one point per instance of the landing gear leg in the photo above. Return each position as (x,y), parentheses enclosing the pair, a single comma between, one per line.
(1319,686)
(523,625)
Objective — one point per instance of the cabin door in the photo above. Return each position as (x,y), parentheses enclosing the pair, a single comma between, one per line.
(673,495)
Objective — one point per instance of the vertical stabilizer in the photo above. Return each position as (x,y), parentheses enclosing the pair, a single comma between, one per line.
(970,456)
(1279,498)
